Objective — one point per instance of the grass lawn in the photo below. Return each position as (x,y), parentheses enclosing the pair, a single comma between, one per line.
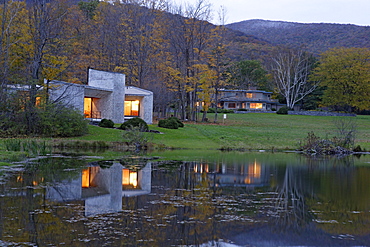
(251,131)
(258,131)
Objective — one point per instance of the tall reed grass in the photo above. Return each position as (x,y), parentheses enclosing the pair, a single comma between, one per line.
(31,146)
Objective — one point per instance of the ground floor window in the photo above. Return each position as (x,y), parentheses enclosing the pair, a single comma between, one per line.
(256,105)
(88,176)
(90,108)
(232,105)
(132,108)
(129,179)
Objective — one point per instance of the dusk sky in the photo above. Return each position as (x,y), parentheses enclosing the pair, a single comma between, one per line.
(305,11)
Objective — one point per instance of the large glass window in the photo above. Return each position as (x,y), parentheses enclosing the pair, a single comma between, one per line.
(90,108)
(129,178)
(256,105)
(132,107)
(88,176)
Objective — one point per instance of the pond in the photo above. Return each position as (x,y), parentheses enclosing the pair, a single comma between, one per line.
(220,199)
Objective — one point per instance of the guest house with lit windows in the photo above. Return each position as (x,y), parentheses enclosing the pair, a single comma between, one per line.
(253,100)
(105,96)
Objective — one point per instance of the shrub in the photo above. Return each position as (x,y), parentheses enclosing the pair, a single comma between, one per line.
(283,110)
(358,149)
(60,121)
(273,109)
(135,122)
(106,123)
(181,124)
(168,124)
(219,110)
(135,136)
(315,145)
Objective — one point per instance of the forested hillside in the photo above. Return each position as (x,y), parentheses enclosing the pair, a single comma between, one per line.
(158,46)
(314,37)
(171,50)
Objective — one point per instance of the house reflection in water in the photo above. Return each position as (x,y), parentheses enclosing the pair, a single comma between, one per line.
(251,174)
(102,189)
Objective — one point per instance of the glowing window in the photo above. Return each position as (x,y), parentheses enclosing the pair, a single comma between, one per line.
(249,95)
(129,178)
(88,176)
(87,107)
(132,107)
(256,105)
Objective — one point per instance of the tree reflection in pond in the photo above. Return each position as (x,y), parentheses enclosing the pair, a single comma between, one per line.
(290,208)
(188,203)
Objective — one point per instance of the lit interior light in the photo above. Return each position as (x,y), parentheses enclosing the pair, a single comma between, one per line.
(85,178)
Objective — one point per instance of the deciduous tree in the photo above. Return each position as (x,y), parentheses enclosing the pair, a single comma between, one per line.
(290,69)
(345,72)
(246,74)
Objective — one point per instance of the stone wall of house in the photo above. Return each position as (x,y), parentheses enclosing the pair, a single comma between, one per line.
(69,94)
(306,113)
(148,106)
(321,113)
(112,107)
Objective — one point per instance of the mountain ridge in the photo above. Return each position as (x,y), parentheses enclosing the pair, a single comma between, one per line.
(315,37)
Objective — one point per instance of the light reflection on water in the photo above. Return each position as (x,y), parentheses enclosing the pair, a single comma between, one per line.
(230,200)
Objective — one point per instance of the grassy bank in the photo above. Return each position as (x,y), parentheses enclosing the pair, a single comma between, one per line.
(252,131)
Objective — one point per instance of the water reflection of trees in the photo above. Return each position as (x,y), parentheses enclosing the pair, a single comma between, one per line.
(29,217)
(342,200)
(291,211)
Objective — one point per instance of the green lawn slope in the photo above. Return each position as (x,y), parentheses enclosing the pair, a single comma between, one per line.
(251,131)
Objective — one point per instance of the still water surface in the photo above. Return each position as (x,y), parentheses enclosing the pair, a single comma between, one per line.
(225,199)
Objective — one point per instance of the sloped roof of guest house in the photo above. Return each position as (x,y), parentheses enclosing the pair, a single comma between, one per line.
(89,91)
(96,91)
(135,91)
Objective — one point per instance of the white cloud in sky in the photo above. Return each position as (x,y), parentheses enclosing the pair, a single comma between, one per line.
(306,11)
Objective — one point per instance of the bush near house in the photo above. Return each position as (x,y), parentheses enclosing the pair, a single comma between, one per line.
(181,124)
(106,123)
(219,110)
(51,120)
(283,110)
(135,122)
(170,123)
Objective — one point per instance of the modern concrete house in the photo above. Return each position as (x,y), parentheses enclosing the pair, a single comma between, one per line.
(105,96)
(102,189)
